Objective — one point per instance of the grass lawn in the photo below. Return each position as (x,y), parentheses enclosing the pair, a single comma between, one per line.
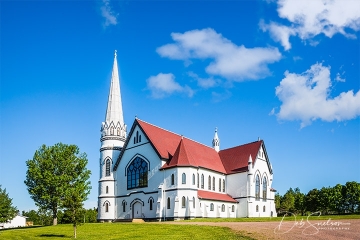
(105,231)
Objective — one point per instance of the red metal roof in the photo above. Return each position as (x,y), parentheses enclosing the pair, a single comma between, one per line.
(181,151)
(236,159)
(215,196)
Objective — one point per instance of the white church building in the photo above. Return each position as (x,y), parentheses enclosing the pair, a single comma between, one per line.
(155,174)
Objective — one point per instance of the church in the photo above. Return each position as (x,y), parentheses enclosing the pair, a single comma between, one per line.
(154,174)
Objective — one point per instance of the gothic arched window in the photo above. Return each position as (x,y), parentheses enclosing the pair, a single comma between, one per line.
(223,208)
(209,183)
(193,202)
(183,202)
(193,179)
(107,189)
(264,188)
(213,184)
(219,184)
(106,207)
(233,208)
(223,185)
(257,208)
(263,208)
(211,207)
(172,179)
(202,181)
(168,203)
(112,130)
(183,178)
(137,173)
(198,180)
(118,131)
(151,204)
(257,187)
(107,167)
(123,205)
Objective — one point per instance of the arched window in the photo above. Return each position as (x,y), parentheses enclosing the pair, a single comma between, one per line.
(257,208)
(107,189)
(151,204)
(123,205)
(193,179)
(233,208)
(112,130)
(219,184)
(202,181)
(107,168)
(118,131)
(213,184)
(193,202)
(223,185)
(183,177)
(211,207)
(263,208)
(264,188)
(198,180)
(137,173)
(168,203)
(209,183)
(106,207)
(257,188)
(223,208)
(183,202)
(172,179)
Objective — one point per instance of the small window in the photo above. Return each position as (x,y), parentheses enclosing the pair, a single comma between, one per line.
(172,179)
(183,202)
(151,204)
(263,208)
(223,208)
(118,131)
(219,184)
(183,178)
(202,181)
(107,167)
(198,180)
(193,202)
(233,208)
(193,179)
(123,205)
(168,203)
(257,208)
(211,207)
(213,187)
(209,183)
(112,131)
(106,207)
(223,185)
(107,189)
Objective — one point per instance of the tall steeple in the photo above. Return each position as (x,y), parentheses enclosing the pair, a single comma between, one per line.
(216,141)
(114,119)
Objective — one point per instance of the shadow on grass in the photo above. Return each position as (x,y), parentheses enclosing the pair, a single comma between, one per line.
(51,235)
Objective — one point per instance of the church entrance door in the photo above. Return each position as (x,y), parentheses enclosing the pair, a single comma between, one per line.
(137,210)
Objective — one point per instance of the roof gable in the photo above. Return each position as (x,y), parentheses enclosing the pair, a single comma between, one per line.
(236,159)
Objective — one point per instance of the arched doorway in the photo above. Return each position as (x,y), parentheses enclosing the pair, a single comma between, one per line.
(137,210)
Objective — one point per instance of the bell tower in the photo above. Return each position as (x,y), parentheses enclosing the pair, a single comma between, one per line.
(113,136)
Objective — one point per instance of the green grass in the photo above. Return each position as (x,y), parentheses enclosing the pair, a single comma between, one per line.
(275,219)
(105,231)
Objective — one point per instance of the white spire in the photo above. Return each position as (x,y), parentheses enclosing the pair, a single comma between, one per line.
(114,111)
(216,142)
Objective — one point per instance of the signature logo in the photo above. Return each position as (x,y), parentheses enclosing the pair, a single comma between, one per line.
(309,228)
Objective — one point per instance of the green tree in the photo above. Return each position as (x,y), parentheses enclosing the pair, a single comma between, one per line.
(351,195)
(312,200)
(338,202)
(277,202)
(7,210)
(287,201)
(91,215)
(299,201)
(51,172)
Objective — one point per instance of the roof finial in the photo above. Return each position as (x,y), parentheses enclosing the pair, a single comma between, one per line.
(115,53)
(216,141)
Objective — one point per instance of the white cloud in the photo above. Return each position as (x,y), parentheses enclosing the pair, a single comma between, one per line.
(314,17)
(339,78)
(108,14)
(204,82)
(305,97)
(164,84)
(230,61)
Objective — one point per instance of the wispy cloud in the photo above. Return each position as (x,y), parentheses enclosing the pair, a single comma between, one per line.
(311,18)
(204,82)
(235,63)
(108,14)
(305,97)
(164,84)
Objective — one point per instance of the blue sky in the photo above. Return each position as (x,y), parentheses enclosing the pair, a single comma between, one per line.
(285,71)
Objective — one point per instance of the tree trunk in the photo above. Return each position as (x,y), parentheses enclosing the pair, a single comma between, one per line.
(74,231)
(55,221)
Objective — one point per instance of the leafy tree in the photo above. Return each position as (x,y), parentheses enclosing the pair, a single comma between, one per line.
(312,200)
(338,202)
(277,202)
(52,171)
(91,215)
(351,195)
(7,210)
(299,201)
(287,201)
